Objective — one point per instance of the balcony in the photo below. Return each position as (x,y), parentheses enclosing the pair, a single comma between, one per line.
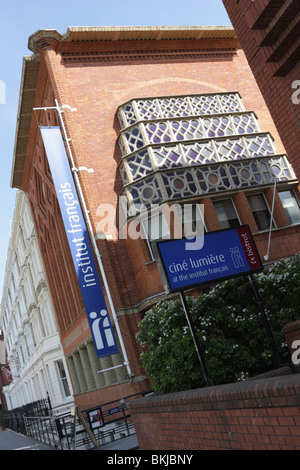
(174,148)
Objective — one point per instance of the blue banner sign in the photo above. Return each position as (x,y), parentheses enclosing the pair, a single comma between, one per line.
(225,254)
(79,243)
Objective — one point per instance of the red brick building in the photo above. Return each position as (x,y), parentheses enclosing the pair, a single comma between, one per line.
(269,33)
(170,114)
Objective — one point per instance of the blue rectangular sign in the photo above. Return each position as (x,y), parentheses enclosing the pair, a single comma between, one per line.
(79,243)
(224,254)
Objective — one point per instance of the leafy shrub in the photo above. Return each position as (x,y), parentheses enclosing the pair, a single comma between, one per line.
(230,329)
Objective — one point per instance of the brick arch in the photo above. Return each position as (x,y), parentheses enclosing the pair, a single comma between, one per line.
(133,90)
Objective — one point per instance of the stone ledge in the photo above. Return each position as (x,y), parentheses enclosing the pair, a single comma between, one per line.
(256,393)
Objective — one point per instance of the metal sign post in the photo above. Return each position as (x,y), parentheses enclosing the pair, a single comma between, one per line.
(279,360)
(75,412)
(195,339)
(225,254)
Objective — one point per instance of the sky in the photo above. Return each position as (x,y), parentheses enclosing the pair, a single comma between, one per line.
(21,18)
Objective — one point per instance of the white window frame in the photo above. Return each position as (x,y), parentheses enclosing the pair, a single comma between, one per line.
(61,379)
(295,198)
(145,230)
(267,206)
(233,205)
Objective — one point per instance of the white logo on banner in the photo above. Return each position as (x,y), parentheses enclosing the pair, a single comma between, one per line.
(236,257)
(106,329)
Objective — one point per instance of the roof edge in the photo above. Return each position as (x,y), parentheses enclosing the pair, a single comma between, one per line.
(121,33)
(15,182)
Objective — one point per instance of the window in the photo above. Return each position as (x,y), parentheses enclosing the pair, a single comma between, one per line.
(290,205)
(192,218)
(155,228)
(63,378)
(226,214)
(260,211)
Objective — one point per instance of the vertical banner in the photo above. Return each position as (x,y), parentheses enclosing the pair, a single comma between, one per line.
(79,243)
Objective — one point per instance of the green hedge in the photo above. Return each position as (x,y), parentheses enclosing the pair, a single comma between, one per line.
(230,330)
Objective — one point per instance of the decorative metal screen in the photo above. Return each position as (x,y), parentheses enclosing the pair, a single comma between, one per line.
(180,147)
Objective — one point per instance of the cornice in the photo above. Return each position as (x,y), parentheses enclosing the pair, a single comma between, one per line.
(26,100)
(124,56)
(49,37)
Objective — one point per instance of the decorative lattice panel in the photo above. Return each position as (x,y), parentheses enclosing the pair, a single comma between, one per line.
(146,161)
(182,146)
(161,132)
(178,106)
(184,183)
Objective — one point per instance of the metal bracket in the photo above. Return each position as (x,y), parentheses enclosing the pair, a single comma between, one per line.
(110,368)
(58,109)
(84,168)
(66,106)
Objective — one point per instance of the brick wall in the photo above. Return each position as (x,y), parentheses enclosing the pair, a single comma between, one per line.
(269,34)
(261,414)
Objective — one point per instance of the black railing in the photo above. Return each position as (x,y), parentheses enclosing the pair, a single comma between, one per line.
(14,419)
(36,420)
(53,431)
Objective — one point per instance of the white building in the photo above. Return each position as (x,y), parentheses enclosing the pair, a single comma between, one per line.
(27,320)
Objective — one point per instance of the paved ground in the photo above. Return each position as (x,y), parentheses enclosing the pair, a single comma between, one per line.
(127,443)
(10,440)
